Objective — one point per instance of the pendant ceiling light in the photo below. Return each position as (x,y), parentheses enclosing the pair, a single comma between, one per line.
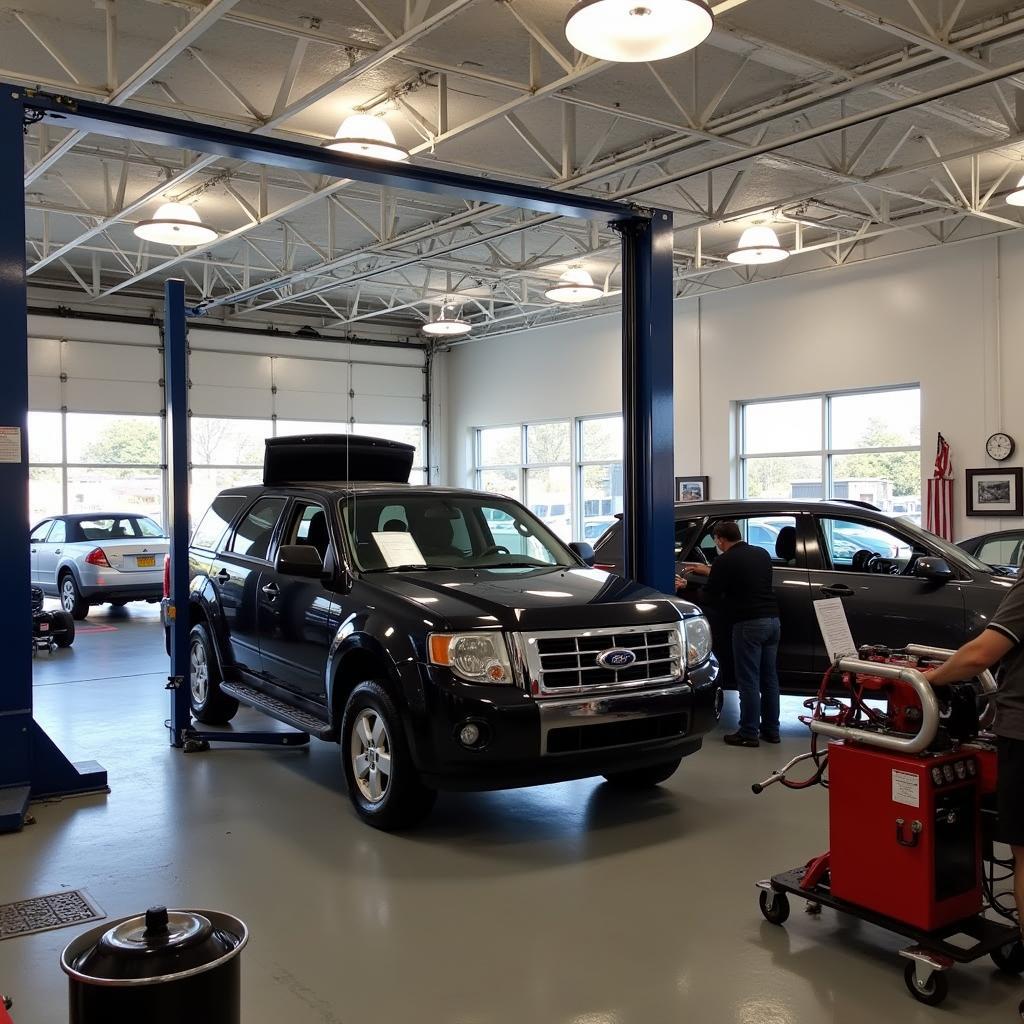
(367,135)
(758,245)
(1016,197)
(175,224)
(575,285)
(447,324)
(638,30)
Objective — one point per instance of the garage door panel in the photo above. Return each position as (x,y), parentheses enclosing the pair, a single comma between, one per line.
(44,394)
(248,403)
(97,362)
(44,357)
(311,375)
(234,371)
(387,380)
(380,409)
(126,397)
(324,406)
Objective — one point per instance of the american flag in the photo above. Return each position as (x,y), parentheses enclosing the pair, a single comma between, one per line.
(940,493)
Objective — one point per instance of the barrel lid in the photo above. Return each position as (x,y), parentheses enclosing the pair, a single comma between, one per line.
(159,943)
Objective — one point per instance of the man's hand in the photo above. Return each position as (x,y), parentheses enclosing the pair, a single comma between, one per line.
(981,653)
(697,568)
(681,583)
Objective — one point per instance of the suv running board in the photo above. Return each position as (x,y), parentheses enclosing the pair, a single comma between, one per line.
(274,708)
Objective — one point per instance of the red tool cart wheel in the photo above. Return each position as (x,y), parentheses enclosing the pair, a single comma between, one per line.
(774,906)
(1009,959)
(930,991)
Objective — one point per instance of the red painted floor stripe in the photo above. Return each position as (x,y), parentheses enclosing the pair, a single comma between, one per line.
(79,630)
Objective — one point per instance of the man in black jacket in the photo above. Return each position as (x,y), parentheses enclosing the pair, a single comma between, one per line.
(740,581)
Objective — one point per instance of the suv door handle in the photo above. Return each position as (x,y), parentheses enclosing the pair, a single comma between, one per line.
(223,576)
(837,590)
(271,590)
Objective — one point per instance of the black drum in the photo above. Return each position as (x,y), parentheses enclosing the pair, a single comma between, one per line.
(163,967)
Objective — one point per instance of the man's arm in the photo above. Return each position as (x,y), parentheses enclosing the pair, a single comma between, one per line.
(973,658)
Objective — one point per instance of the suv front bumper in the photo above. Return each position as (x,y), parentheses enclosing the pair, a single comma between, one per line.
(529,742)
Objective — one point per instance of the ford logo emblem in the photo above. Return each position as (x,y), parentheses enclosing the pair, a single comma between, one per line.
(617,657)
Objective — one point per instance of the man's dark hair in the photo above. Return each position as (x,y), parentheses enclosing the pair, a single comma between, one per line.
(727,530)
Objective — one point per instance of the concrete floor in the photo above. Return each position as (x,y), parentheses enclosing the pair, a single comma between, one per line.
(568,904)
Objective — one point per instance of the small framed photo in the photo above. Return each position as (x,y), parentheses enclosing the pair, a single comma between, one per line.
(691,488)
(995,492)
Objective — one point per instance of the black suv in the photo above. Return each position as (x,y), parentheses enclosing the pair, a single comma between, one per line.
(898,583)
(446,638)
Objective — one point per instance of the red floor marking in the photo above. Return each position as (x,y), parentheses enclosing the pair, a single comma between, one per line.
(95,629)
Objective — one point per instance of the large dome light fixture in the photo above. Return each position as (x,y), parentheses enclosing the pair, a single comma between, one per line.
(632,31)
(575,285)
(758,245)
(367,135)
(445,325)
(1016,197)
(175,224)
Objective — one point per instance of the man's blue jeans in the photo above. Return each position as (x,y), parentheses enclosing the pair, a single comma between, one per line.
(755,648)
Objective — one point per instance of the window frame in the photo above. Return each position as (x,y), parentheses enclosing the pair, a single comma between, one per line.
(229,548)
(826,452)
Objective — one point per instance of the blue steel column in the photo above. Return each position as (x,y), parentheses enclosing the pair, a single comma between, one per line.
(30,763)
(176,425)
(647,350)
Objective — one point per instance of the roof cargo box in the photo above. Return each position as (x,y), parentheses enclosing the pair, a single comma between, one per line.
(335,457)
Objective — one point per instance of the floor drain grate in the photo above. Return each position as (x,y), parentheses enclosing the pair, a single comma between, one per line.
(42,913)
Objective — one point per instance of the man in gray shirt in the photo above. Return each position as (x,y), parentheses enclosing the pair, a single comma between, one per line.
(1002,640)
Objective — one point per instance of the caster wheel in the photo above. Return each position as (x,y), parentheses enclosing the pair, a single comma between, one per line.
(932,992)
(1010,958)
(777,912)
(195,746)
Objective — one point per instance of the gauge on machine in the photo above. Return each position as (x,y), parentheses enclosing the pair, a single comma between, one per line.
(937,776)
(947,771)
(961,770)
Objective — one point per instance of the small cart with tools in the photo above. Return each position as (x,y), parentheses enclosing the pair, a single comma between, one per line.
(911,815)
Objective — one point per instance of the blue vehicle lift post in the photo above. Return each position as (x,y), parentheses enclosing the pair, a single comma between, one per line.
(647,385)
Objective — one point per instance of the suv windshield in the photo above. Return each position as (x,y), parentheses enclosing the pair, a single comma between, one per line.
(409,530)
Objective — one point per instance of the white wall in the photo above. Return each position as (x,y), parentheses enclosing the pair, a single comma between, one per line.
(948,319)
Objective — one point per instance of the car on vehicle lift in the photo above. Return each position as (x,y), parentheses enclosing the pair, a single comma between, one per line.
(94,558)
(439,650)
(899,583)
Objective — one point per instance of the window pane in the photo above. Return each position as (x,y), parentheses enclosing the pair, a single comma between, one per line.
(217,442)
(406,433)
(501,446)
(883,480)
(774,534)
(793,426)
(215,522)
(122,490)
(549,496)
(602,498)
(878,419)
(113,440)
(45,494)
(860,547)
(783,478)
(548,442)
(500,481)
(44,441)
(1004,551)
(256,530)
(285,428)
(601,439)
(208,483)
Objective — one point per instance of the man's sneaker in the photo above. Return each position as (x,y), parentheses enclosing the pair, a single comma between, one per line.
(771,739)
(737,739)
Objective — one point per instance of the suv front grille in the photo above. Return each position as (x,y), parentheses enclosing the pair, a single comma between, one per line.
(567,662)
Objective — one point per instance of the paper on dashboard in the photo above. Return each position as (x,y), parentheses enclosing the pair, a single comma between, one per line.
(399,547)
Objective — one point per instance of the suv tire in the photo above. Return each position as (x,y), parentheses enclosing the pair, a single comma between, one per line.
(209,704)
(67,638)
(71,599)
(383,783)
(644,778)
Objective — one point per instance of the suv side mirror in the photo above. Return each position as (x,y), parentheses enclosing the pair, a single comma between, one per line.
(934,570)
(300,560)
(584,550)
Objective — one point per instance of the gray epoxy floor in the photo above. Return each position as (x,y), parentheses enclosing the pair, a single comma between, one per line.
(568,904)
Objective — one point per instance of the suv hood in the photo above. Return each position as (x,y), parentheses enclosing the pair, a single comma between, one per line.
(557,598)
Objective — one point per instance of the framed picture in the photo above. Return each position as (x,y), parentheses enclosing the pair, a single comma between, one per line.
(995,492)
(691,488)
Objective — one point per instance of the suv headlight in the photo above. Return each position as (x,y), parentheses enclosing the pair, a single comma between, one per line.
(475,657)
(697,633)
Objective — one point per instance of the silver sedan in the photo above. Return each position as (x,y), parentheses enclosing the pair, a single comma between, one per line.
(98,558)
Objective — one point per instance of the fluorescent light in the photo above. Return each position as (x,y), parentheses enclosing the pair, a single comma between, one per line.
(1016,197)
(367,135)
(575,285)
(631,31)
(758,245)
(175,224)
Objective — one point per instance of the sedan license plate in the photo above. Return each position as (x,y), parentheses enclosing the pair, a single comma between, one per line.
(146,561)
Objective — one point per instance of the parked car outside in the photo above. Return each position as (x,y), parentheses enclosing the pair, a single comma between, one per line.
(98,558)
(447,639)
(899,584)
(594,528)
(1003,550)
